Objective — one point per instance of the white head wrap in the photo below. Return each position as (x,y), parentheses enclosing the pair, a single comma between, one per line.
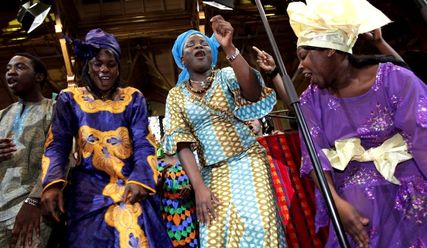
(333,24)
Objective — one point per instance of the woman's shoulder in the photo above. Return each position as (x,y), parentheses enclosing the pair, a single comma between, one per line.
(129,91)
(395,76)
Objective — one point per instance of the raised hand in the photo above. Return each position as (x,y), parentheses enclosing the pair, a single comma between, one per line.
(264,60)
(375,36)
(223,32)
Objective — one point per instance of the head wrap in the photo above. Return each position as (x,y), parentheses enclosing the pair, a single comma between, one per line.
(178,49)
(333,24)
(96,39)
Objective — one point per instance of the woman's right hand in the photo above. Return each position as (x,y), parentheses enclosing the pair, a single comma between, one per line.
(206,202)
(354,223)
(52,203)
(264,60)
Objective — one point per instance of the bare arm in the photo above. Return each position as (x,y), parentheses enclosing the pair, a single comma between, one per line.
(205,200)
(266,62)
(251,89)
(376,39)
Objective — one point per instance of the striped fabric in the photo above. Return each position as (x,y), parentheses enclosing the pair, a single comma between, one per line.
(295,195)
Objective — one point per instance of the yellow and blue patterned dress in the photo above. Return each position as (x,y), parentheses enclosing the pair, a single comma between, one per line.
(233,164)
(114,148)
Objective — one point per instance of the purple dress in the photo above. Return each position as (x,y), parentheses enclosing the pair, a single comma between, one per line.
(396,103)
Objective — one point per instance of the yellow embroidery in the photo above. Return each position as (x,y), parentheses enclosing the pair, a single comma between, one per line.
(114,190)
(124,218)
(89,105)
(45,166)
(152,161)
(46,160)
(108,148)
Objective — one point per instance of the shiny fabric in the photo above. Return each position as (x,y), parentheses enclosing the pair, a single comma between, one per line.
(333,24)
(385,157)
(95,39)
(397,213)
(234,166)
(27,124)
(114,148)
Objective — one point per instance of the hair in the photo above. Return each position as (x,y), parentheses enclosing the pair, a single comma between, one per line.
(360,61)
(87,81)
(38,66)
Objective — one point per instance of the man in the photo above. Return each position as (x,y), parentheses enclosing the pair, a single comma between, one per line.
(23,128)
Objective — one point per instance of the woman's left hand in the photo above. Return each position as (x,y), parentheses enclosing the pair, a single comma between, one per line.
(223,33)
(134,193)
(264,60)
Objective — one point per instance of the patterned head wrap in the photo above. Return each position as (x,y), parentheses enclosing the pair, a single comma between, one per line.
(96,39)
(178,49)
(333,24)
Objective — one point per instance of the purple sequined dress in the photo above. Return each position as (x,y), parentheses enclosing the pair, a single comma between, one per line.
(397,102)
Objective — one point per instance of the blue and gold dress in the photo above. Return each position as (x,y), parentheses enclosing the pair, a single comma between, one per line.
(233,164)
(114,148)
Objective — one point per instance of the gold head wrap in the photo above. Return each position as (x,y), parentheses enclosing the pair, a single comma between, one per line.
(333,24)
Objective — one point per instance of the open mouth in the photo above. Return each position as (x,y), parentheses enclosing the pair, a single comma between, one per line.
(200,54)
(307,74)
(11,82)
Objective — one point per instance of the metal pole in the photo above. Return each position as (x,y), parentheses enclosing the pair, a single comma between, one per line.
(294,101)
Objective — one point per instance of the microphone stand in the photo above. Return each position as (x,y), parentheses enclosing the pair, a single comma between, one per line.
(294,101)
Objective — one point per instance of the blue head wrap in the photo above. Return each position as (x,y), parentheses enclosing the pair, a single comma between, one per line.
(96,39)
(178,49)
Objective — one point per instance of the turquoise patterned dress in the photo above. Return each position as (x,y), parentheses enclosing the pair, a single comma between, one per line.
(233,164)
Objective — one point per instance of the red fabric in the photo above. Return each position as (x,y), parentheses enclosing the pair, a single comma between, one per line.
(295,195)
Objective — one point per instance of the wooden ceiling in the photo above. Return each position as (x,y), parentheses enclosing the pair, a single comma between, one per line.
(146,30)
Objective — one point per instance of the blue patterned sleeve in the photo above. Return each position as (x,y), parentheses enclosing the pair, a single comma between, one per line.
(144,172)
(175,125)
(59,142)
(246,110)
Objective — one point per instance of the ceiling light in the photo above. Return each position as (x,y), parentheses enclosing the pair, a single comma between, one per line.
(221,4)
(32,16)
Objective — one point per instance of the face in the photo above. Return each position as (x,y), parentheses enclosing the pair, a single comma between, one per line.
(255,126)
(197,55)
(316,65)
(20,76)
(104,70)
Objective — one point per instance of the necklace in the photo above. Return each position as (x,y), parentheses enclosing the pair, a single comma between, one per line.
(204,84)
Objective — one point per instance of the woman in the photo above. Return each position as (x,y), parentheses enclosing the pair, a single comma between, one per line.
(368,121)
(207,110)
(110,200)
(178,206)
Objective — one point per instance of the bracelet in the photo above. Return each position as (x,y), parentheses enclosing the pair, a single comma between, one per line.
(33,202)
(272,74)
(233,56)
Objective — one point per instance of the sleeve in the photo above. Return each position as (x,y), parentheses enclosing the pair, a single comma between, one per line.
(312,115)
(175,125)
(36,192)
(246,110)
(144,172)
(58,142)
(409,96)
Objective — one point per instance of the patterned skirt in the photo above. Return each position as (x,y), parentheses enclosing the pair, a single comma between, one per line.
(247,215)
(178,206)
